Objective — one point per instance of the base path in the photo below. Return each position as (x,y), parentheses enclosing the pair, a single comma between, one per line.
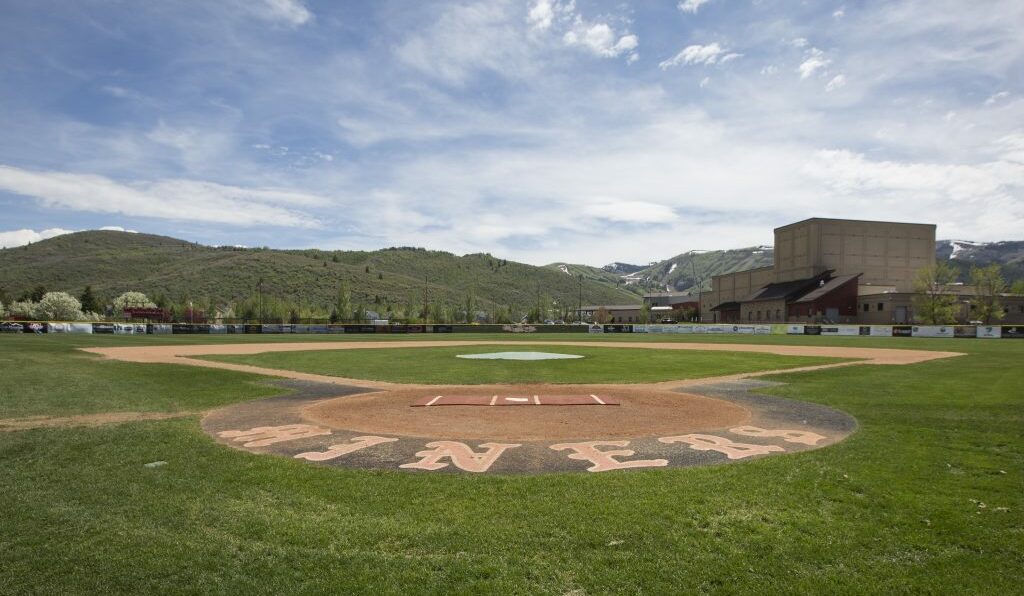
(525,428)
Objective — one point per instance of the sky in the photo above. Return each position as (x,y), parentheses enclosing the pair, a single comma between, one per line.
(535,130)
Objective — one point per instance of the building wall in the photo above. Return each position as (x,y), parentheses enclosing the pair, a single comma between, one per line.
(732,287)
(885,253)
(763,311)
(843,299)
(1013,309)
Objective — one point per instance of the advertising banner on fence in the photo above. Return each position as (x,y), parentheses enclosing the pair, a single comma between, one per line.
(965,331)
(1013,332)
(932,331)
(69,327)
(794,329)
(988,332)
(129,328)
(880,331)
(218,329)
(160,329)
(840,330)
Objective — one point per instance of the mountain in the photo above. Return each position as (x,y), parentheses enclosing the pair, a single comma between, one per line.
(623,268)
(963,254)
(114,262)
(678,274)
(600,276)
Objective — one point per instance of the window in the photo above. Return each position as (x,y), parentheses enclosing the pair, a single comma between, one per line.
(881,306)
(750,315)
(758,315)
(867,307)
(778,314)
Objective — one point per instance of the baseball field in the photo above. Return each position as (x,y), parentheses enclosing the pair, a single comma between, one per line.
(277,464)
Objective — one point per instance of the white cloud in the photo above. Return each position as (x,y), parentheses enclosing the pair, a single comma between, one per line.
(288,12)
(711,53)
(705,82)
(601,40)
(598,37)
(769,70)
(25,236)
(467,39)
(814,61)
(837,82)
(692,6)
(996,98)
(799,42)
(175,199)
(541,14)
(838,14)
(630,211)
(118,229)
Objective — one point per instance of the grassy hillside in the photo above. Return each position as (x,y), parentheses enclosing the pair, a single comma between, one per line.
(597,275)
(114,262)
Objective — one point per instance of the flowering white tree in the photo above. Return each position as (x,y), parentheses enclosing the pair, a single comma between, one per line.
(58,306)
(131,300)
(25,309)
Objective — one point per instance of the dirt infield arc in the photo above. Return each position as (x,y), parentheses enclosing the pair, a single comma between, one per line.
(373,424)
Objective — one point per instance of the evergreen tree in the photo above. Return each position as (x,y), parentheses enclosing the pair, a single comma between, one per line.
(89,301)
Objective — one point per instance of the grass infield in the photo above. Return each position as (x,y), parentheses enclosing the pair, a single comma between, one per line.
(598,365)
(927,496)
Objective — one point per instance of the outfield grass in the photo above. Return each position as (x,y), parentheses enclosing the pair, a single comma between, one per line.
(598,365)
(927,497)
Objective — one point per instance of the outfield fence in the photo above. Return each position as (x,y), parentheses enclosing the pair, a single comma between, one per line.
(933,331)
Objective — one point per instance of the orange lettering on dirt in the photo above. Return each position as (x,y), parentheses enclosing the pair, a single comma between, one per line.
(262,436)
(459,454)
(335,451)
(605,460)
(731,449)
(790,436)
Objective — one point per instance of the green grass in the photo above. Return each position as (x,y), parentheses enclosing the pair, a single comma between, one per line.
(598,365)
(894,508)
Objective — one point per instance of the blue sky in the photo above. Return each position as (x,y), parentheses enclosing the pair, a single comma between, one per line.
(538,130)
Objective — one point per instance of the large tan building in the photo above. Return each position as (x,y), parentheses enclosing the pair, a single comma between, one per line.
(821,267)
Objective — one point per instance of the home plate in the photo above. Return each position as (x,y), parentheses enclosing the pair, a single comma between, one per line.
(514,400)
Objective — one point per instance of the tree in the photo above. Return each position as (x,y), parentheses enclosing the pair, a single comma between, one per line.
(89,301)
(601,316)
(131,300)
(988,283)
(470,307)
(645,313)
(934,300)
(3,311)
(343,305)
(22,309)
(37,293)
(58,306)
(1018,287)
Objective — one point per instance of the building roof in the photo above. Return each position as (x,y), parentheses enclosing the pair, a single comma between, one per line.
(787,290)
(727,306)
(871,290)
(613,307)
(865,221)
(828,287)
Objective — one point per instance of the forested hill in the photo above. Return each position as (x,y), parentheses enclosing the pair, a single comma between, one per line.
(390,280)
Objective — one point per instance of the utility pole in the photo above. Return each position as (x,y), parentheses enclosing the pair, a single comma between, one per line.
(426,303)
